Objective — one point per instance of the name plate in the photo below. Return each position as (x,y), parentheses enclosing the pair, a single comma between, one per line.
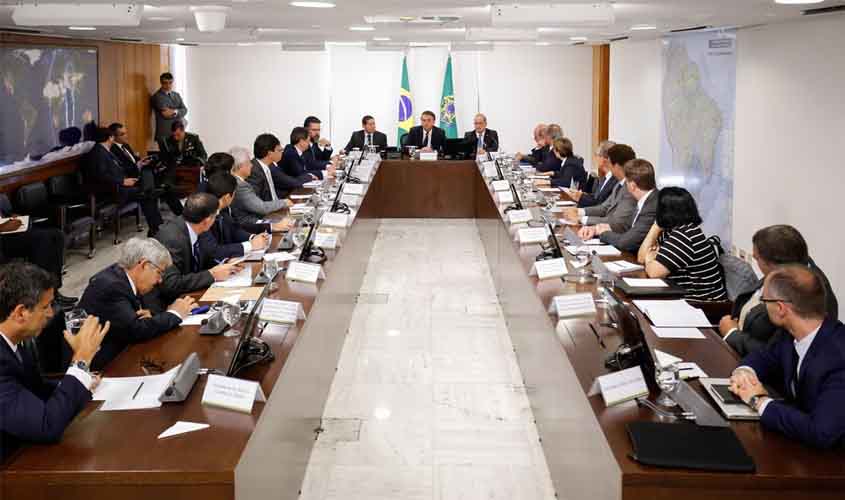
(332,219)
(501,186)
(232,393)
(363,173)
(578,304)
(520,216)
(305,272)
(531,235)
(546,269)
(350,199)
(281,311)
(326,240)
(504,197)
(301,209)
(621,386)
(489,168)
(353,189)
(428,155)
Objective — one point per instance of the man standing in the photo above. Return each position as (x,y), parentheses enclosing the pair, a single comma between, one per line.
(482,140)
(369,136)
(427,137)
(168,107)
(33,409)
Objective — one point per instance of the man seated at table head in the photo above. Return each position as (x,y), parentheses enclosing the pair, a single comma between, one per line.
(748,327)
(619,207)
(603,185)
(248,207)
(296,162)
(427,136)
(117,294)
(269,181)
(193,266)
(482,139)
(541,148)
(807,367)
(368,136)
(34,409)
(182,148)
(641,184)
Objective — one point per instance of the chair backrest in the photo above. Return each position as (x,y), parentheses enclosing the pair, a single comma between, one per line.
(32,197)
(403,139)
(739,275)
(5,205)
(64,185)
(589,183)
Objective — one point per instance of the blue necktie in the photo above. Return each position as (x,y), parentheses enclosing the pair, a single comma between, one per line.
(195,261)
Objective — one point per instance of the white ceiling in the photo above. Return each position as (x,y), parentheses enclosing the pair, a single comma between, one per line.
(273,21)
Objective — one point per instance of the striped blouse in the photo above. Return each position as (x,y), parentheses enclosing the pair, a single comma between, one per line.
(693,263)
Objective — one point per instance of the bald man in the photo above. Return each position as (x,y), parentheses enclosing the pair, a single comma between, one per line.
(543,148)
(481,140)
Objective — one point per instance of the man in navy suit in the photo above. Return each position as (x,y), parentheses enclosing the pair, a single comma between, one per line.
(33,409)
(603,185)
(426,136)
(807,367)
(297,159)
(319,153)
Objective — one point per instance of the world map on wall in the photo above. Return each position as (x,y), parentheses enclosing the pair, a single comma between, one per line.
(698,101)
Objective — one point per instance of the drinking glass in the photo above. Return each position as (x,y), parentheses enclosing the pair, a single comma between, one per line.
(231,315)
(271,268)
(299,236)
(574,184)
(74,319)
(411,151)
(668,378)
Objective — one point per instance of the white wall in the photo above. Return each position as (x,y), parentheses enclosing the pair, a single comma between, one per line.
(790,116)
(238,92)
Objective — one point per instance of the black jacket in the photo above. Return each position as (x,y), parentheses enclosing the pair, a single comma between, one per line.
(109,296)
(99,165)
(190,152)
(572,168)
(537,156)
(599,194)
(357,140)
(228,236)
(416,136)
(127,159)
(178,279)
(299,167)
(491,140)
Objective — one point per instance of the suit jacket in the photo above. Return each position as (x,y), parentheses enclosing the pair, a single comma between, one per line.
(416,136)
(617,210)
(190,151)
(599,194)
(127,159)
(357,140)
(101,166)
(298,167)
(33,409)
(178,279)
(631,239)
(537,156)
(815,415)
(550,163)
(228,237)
(109,296)
(321,155)
(283,182)
(161,100)
(247,206)
(758,331)
(491,140)
(571,168)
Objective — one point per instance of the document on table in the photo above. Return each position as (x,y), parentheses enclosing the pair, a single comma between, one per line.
(195,319)
(24,224)
(678,333)
(576,304)
(133,393)
(240,280)
(600,250)
(181,427)
(645,282)
(622,266)
(296,197)
(313,184)
(673,313)
(665,359)
(279,256)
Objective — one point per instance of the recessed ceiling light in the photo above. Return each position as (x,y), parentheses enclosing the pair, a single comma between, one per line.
(578,38)
(180,39)
(381,38)
(314,5)
(81,28)
(643,27)
(362,28)
(797,2)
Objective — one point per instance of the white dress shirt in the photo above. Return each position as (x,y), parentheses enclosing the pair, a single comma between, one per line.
(135,290)
(640,205)
(269,177)
(82,376)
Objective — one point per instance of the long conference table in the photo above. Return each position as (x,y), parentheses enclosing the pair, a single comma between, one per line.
(106,455)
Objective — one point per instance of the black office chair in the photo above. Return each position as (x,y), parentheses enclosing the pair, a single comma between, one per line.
(403,139)
(589,184)
(77,217)
(106,209)
(32,200)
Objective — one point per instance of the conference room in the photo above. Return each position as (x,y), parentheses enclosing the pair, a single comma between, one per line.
(362,250)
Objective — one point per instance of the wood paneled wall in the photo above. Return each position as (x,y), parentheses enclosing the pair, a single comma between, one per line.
(601,93)
(128,74)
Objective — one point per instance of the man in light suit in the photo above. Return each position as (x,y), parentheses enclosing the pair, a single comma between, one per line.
(641,184)
(620,206)
(168,107)
(248,207)
(603,185)
(482,139)
(807,367)
(427,137)
(33,409)
(369,136)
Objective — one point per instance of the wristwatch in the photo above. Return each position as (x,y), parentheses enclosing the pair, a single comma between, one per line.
(753,400)
(82,365)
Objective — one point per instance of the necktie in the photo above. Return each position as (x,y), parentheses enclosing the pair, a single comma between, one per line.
(426,142)
(270,183)
(369,139)
(195,257)
(793,386)
(480,141)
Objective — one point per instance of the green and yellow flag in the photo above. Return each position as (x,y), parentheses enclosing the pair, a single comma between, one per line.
(448,120)
(406,104)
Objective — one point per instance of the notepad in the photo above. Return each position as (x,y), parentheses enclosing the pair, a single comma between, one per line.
(678,333)
(576,304)
(24,224)
(600,250)
(672,313)
(645,282)
(622,266)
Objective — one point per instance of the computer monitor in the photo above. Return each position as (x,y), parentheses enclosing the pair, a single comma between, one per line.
(636,351)
(457,148)
(251,350)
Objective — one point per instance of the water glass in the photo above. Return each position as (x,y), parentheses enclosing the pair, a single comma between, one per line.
(299,236)
(231,315)
(271,268)
(668,378)
(574,185)
(74,319)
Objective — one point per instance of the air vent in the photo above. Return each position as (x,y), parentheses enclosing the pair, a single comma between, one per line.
(188,44)
(618,38)
(21,31)
(578,43)
(823,10)
(125,39)
(684,30)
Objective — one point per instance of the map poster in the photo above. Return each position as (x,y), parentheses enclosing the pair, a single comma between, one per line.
(698,108)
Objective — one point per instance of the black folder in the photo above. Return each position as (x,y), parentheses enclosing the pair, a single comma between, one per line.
(688,446)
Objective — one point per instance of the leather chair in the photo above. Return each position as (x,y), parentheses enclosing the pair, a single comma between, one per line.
(76,217)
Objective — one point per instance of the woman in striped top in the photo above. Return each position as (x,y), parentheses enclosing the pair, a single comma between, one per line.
(676,248)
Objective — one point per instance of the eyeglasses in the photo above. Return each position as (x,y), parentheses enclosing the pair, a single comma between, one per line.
(767,301)
(159,270)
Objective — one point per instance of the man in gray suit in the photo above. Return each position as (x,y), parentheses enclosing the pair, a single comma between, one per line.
(617,210)
(640,183)
(248,207)
(168,107)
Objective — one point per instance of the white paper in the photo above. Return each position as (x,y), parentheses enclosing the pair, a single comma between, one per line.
(600,250)
(504,197)
(565,203)
(181,428)
(565,222)
(594,241)
(231,393)
(577,304)
(196,319)
(130,404)
(678,333)
(280,256)
(304,271)
(326,240)
(239,280)
(357,189)
(532,235)
(550,268)
(351,200)
(127,388)
(501,185)
(645,282)
(665,359)
(281,311)
(672,313)
(490,169)
(621,386)
(690,371)
(549,190)
(301,209)
(313,184)
(428,155)
(334,219)
(622,266)
(24,224)
(295,197)
(519,216)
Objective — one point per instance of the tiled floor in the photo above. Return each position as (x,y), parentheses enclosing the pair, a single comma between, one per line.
(428,401)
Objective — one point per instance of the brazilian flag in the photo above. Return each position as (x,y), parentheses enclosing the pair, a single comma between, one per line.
(406,104)
(447,104)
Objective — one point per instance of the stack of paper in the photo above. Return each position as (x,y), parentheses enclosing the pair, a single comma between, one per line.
(645,282)
(673,313)
(133,393)
(600,250)
(574,305)
(239,280)
(622,266)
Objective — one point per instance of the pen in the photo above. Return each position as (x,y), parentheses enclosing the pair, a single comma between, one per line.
(137,390)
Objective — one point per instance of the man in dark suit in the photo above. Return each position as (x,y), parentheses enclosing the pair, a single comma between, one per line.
(540,150)
(603,185)
(807,367)
(116,293)
(33,409)
(320,147)
(100,166)
(748,327)
(427,137)
(269,181)
(481,140)
(369,136)
(295,158)
(167,105)
(194,267)
(643,187)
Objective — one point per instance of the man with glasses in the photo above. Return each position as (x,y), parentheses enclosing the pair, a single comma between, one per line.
(116,294)
(807,367)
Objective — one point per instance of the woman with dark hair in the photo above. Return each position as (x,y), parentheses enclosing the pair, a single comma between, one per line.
(676,248)
(571,166)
